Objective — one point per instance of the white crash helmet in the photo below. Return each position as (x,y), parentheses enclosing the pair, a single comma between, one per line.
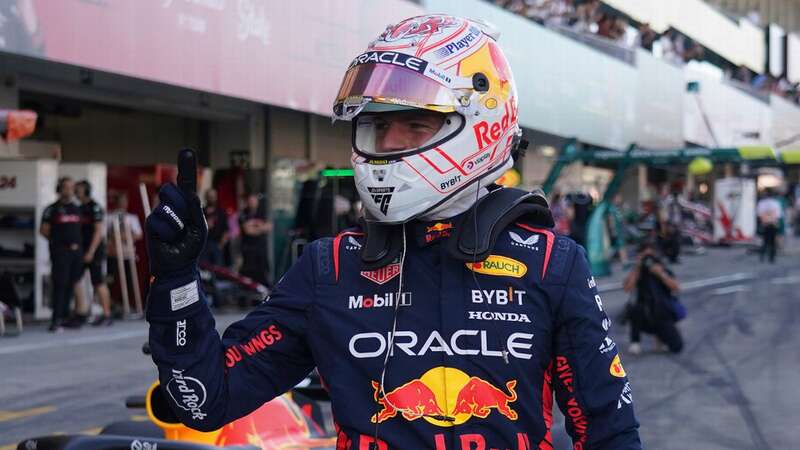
(437,63)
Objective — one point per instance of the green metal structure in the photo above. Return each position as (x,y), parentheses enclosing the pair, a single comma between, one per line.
(597,248)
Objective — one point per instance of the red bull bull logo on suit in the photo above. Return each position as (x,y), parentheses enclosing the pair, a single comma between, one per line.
(445,404)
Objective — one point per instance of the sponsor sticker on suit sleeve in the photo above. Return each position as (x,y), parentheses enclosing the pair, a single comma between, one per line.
(183,337)
(188,393)
(626,397)
(183,296)
(616,368)
(499,266)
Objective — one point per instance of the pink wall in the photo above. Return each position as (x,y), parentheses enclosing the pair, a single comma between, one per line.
(287,53)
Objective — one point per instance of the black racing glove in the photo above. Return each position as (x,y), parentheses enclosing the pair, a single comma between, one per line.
(177,230)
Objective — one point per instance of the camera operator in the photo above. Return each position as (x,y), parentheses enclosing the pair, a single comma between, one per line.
(650,313)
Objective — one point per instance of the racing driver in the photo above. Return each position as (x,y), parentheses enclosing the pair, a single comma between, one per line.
(450,319)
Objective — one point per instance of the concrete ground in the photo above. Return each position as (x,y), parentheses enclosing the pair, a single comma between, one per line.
(734,387)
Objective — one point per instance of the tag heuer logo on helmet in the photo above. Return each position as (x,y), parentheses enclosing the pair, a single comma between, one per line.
(382,275)
(499,266)
(381,196)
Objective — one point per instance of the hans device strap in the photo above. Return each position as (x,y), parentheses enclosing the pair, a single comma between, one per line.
(383,244)
(476,230)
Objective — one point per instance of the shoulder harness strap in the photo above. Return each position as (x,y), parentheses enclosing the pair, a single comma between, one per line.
(477,230)
(383,244)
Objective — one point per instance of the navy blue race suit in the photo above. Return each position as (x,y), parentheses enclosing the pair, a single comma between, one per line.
(479,349)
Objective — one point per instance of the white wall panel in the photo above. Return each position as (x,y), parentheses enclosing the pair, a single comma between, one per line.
(566,88)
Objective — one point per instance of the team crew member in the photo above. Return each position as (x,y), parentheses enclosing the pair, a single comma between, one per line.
(94,243)
(129,221)
(450,318)
(254,241)
(61,225)
(218,232)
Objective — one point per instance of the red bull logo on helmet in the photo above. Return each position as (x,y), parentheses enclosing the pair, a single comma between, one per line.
(487,133)
(428,398)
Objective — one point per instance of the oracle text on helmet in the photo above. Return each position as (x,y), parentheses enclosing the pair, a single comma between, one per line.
(393,58)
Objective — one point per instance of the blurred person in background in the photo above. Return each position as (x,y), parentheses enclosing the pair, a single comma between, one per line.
(619,31)
(125,220)
(646,37)
(562,212)
(94,256)
(536,10)
(606,26)
(580,207)
(694,51)
(672,47)
(254,229)
(743,74)
(61,226)
(516,6)
(560,13)
(769,214)
(588,15)
(651,283)
(670,218)
(218,233)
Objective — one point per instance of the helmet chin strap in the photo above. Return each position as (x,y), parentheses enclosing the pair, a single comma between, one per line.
(456,205)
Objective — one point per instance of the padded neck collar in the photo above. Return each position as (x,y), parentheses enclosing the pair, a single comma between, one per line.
(474,233)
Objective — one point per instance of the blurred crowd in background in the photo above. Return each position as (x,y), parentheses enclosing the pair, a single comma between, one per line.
(591,17)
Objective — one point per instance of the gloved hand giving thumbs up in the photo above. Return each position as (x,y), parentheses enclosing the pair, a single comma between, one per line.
(176,229)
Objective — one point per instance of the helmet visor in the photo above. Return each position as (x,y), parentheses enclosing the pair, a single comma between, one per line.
(389,84)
